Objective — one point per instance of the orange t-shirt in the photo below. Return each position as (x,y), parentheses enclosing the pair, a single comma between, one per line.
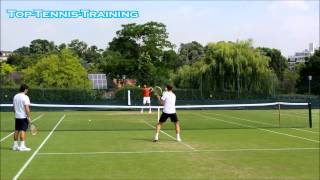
(146,92)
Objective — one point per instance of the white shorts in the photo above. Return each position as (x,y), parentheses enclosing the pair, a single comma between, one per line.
(146,100)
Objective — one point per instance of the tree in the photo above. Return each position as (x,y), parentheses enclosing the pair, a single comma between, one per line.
(23,61)
(311,68)
(57,70)
(115,65)
(190,53)
(146,70)
(289,81)
(23,51)
(88,55)
(42,46)
(277,62)
(5,70)
(229,67)
(151,37)
(126,46)
(80,49)
(92,54)
(27,56)
(134,44)
(170,60)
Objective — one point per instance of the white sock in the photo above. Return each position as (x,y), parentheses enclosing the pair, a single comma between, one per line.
(178,136)
(22,144)
(15,143)
(156,136)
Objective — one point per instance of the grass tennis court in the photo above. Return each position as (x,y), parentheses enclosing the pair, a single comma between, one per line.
(219,144)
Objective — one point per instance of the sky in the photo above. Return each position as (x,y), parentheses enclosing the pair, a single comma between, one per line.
(285,25)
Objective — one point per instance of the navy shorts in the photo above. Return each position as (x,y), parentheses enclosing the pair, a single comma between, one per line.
(22,124)
(165,116)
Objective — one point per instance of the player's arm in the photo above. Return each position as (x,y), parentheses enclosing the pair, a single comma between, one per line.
(27,109)
(160,100)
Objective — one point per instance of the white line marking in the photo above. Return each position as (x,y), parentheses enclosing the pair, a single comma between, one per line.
(257,122)
(38,149)
(193,151)
(35,119)
(253,127)
(187,145)
(305,130)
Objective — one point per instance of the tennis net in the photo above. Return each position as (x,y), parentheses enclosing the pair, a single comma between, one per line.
(192,117)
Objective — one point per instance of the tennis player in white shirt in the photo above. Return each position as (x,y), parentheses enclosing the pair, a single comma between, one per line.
(21,104)
(168,100)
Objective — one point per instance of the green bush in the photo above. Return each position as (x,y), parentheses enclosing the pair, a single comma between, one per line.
(64,96)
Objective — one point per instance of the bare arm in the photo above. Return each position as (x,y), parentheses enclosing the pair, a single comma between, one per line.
(27,109)
(160,100)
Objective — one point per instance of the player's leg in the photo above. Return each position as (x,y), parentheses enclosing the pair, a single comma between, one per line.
(144,103)
(177,125)
(18,125)
(174,119)
(158,127)
(24,128)
(15,145)
(162,119)
(149,104)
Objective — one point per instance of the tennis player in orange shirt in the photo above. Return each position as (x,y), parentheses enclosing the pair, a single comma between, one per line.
(146,97)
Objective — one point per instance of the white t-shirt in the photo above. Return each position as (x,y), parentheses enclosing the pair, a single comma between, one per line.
(169,101)
(19,101)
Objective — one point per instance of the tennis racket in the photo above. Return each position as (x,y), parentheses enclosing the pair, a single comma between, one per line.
(33,129)
(157,91)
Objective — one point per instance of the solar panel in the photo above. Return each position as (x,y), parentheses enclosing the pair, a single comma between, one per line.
(99,81)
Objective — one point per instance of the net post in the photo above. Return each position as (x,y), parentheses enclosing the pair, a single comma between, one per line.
(310,115)
(129,98)
(279,112)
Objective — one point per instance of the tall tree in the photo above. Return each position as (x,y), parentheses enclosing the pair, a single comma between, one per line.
(170,59)
(228,67)
(189,53)
(146,71)
(5,70)
(134,44)
(311,68)
(115,65)
(277,63)
(57,70)
(42,46)
(27,56)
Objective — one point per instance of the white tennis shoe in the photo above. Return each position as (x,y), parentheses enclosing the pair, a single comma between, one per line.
(15,148)
(24,148)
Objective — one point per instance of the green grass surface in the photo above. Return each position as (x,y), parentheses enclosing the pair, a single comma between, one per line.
(220,144)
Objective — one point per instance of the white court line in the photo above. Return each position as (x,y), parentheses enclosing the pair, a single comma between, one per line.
(269,124)
(298,115)
(187,145)
(13,132)
(305,130)
(262,129)
(194,151)
(38,149)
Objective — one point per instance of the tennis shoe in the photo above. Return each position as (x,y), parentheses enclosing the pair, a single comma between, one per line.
(179,139)
(155,139)
(24,148)
(15,148)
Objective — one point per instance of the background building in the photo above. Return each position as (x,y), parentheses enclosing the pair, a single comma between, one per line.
(300,57)
(4,55)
